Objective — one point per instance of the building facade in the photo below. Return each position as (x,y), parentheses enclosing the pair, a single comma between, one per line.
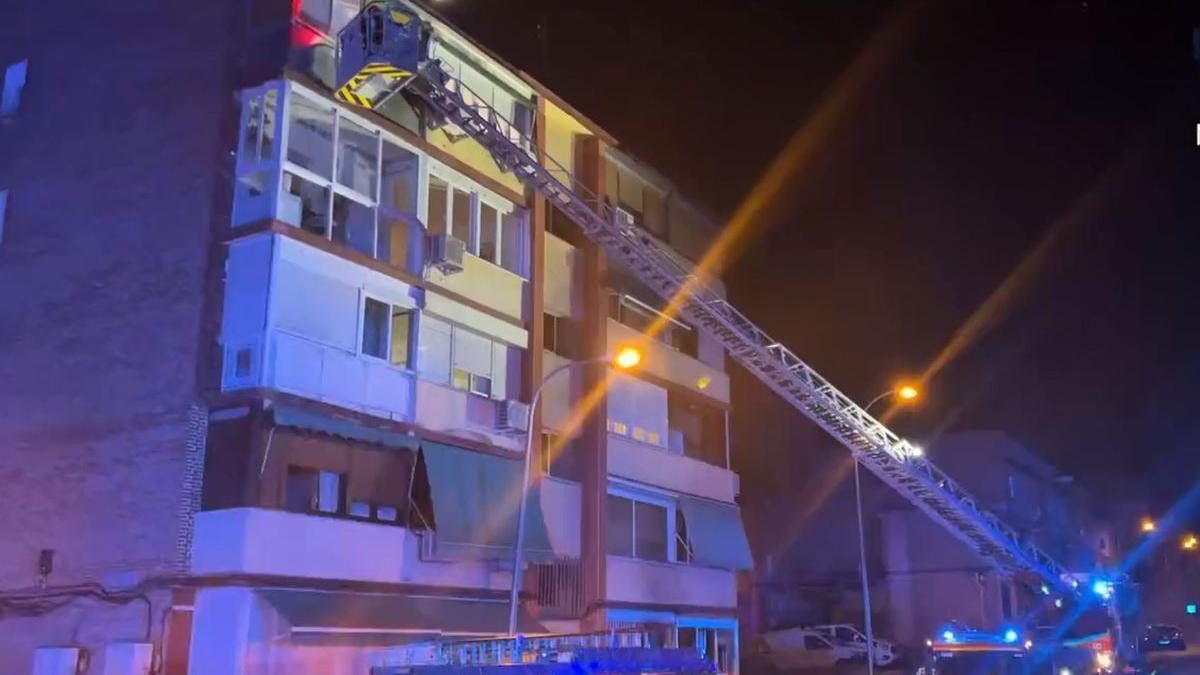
(257,423)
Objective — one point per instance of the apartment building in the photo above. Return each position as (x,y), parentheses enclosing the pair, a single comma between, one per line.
(260,418)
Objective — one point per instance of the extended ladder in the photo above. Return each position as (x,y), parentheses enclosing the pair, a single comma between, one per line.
(894,460)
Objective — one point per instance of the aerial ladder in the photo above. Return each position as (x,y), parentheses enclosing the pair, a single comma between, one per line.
(377,60)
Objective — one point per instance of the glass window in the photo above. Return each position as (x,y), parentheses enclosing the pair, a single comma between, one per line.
(481,385)
(439,194)
(375,328)
(489,220)
(357,157)
(400,179)
(310,136)
(304,204)
(650,528)
(353,224)
(401,334)
(683,548)
(512,244)
(433,349)
(252,134)
(619,530)
(394,240)
(316,12)
(460,216)
(300,489)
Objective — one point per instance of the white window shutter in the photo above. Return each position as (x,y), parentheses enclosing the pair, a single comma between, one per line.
(433,349)
(472,353)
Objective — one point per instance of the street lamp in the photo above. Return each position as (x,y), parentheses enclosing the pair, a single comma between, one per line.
(1148,525)
(906,393)
(1189,543)
(626,358)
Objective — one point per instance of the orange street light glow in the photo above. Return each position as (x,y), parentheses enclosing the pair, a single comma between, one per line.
(627,358)
(907,392)
(1148,525)
(1190,542)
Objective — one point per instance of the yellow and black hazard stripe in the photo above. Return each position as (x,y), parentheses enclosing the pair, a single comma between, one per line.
(348,96)
(382,69)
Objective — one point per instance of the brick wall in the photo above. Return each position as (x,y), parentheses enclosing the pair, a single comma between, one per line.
(118,170)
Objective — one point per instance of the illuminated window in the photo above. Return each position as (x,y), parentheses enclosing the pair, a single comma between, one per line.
(639,433)
(653,438)
(462,359)
(618,427)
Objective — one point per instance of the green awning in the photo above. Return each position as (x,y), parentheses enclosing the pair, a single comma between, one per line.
(308,420)
(314,612)
(475,502)
(716,533)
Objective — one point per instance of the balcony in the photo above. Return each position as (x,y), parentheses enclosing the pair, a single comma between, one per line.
(270,542)
(652,465)
(665,363)
(641,581)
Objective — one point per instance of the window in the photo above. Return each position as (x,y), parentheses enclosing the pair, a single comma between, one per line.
(683,546)
(471,367)
(399,230)
(696,429)
(387,332)
(460,216)
(641,316)
(14,82)
(462,359)
(310,490)
(555,335)
(342,179)
(439,205)
(491,228)
(375,328)
(489,225)
(257,162)
(401,337)
(640,528)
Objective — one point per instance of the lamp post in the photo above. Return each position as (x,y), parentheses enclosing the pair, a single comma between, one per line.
(904,393)
(625,359)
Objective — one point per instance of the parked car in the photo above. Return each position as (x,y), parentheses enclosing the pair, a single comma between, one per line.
(821,647)
(796,648)
(1162,638)
(850,638)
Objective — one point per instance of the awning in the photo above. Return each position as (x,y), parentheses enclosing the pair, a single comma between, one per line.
(475,502)
(341,427)
(341,612)
(716,533)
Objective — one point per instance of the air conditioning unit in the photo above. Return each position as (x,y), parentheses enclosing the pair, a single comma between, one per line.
(512,416)
(445,253)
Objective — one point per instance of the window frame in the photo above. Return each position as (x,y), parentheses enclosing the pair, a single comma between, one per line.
(281,165)
(387,333)
(661,499)
(480,196)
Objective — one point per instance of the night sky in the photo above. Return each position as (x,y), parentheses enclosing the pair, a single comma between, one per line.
(988,124)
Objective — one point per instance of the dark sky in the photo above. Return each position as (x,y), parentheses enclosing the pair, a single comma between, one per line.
(990,123)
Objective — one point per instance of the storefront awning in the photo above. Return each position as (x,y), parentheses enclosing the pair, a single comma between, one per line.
(476,497)
(342,612)
(716,533)
(308,420)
